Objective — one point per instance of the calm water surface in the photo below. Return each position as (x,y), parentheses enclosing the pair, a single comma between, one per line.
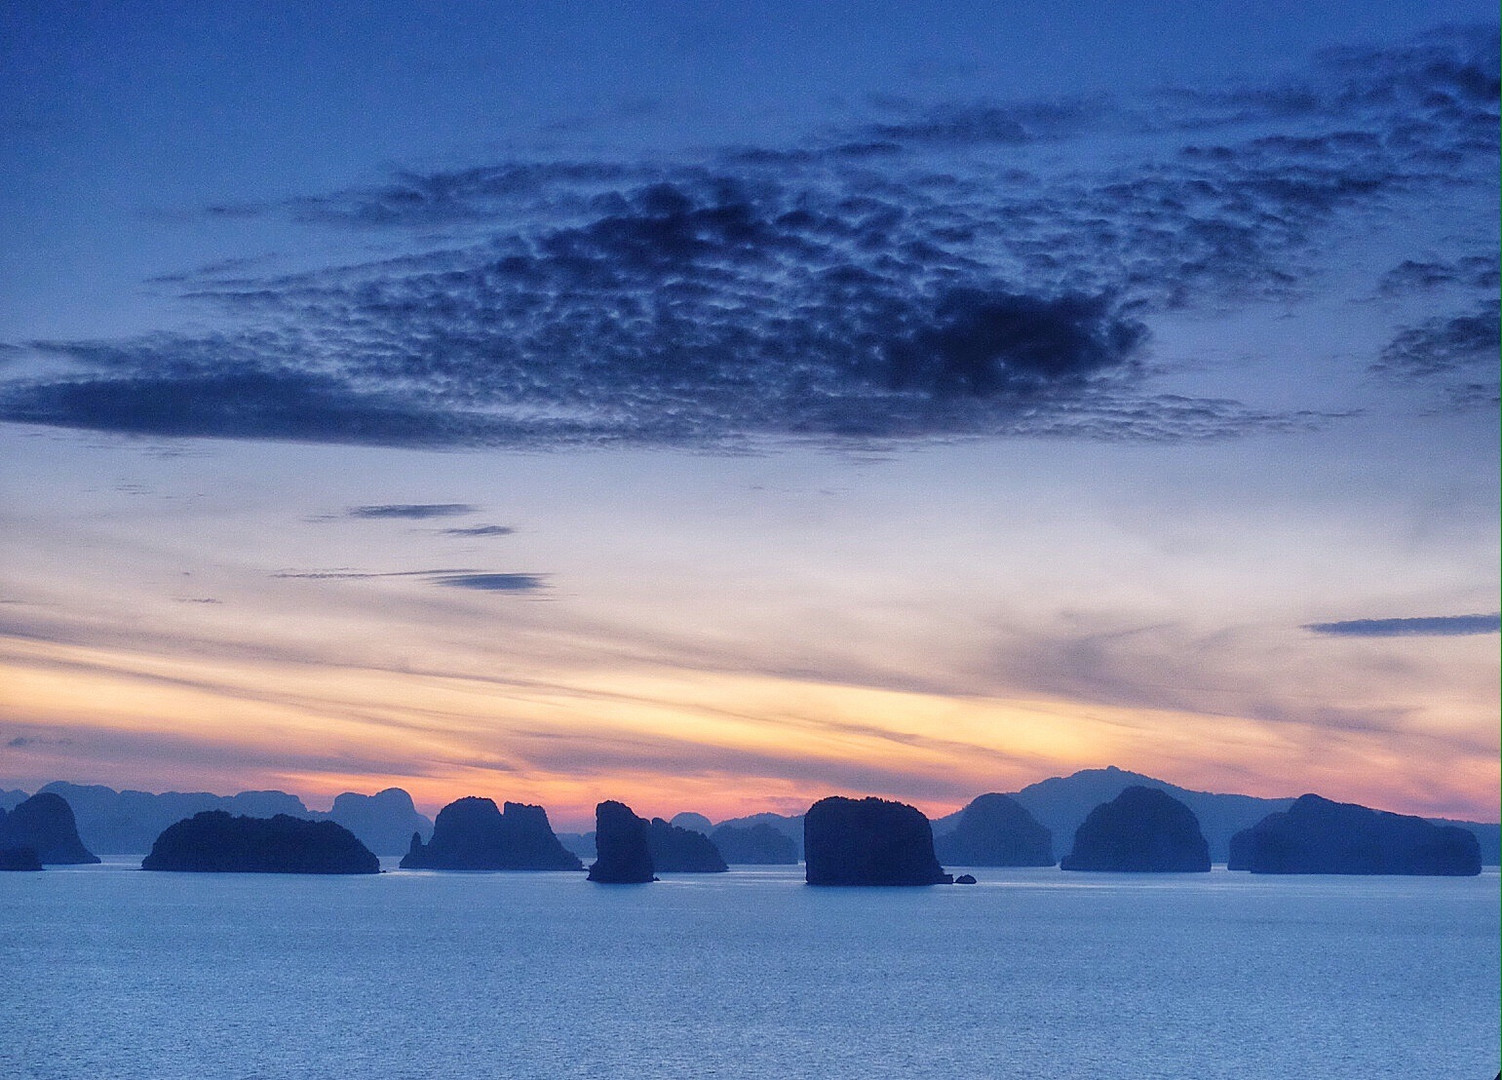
(119,973)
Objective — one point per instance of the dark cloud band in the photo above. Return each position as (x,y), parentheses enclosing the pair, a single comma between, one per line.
(1435,626)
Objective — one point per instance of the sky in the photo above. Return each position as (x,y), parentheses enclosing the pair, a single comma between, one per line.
(720,406)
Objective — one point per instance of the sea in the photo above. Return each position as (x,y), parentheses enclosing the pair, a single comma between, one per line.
(113,972)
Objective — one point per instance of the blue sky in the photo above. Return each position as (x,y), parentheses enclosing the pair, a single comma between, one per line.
(727,405)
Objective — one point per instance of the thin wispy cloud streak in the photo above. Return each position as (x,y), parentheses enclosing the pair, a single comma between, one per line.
(926,274)
(411,511)
(477,580)
(480,530)
(1433,626)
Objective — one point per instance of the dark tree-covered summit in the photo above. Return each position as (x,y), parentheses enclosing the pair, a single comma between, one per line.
(995,830)
(1142,830)
(623,855)
(682,851)
(471,834)
(1318,836)
(44,824)
(216,841)
(869,842)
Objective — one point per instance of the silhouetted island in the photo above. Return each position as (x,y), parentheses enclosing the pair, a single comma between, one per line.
(1142,830)
(1317,836)
(471,834)
(682,851)
(995,830)
(869,842)
(759,845)
(216,841)
(623,857)
(23,858)
(44,823)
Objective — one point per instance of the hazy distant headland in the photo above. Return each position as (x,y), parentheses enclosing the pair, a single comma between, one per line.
(44,828)
(1317,836)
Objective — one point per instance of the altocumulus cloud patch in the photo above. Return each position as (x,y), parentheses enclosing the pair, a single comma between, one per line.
(929,273)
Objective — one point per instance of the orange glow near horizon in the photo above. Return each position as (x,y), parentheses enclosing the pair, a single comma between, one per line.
(722,745)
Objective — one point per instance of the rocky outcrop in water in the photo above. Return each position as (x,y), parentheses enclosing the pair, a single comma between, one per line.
(682,851)
(44,823)
(758,845)
(622,854)
(995,830)
(19,859)
(1142,830)
(869,842)
(216,841)
(471,834)
(1317,836)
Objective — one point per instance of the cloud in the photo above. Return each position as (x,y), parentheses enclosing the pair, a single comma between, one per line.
(1435,626)
(22,742)
(163,396)
(480,530)
(925,274)
(1441,346)
(413,511)
(969,123)
(1427,275)
(479,580)
(980,344)
(492,582)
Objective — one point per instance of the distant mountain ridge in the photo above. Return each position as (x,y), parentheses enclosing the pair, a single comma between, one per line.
(1062,803)
(128,822)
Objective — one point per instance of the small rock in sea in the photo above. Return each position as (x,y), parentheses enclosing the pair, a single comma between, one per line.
(965,879)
